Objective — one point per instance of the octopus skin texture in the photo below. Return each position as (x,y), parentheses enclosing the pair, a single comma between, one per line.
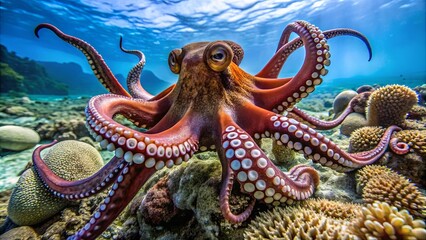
(215,105)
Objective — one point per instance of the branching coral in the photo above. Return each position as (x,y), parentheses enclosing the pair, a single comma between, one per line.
(384,185)
(381,221)
(296,223)
(366,138)
(389,105)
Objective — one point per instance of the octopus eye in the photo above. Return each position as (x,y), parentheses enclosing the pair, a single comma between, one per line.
(218,56)
(173,61)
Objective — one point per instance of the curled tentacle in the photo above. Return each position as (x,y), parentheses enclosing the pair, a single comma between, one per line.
(285,48)
(317,58)
(399,148)
(75,190)
(133,78)
(257,175)
(98,65)
(225,192)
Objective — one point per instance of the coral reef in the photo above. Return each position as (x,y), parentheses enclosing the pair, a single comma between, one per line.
(389,105)
(382,221)
(31,203)
(17,138)
(365,138)
(295,223)
(384,185)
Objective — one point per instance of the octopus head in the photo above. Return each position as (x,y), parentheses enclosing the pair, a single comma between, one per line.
(209,70)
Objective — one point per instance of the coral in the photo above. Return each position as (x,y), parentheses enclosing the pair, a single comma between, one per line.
(334,209)
(295,223)
(381,221)
(397,191)
(415,138)
(17,138)
(282,153)
(365,138)
(157,206)
(31,203)
(389,105)
(368,172)
(24,232)
(342,100)
(352,122)
(417,112)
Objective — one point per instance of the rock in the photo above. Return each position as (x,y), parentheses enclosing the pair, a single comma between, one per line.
(31,203)
(18,111)
(352,122)
(365,88)
(17,138)
(342,99)
(25,100)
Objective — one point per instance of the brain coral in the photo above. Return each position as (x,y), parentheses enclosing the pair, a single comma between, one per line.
(381,221)
(295,223)
(397,191)
(389,105)
(30,202)
(365,138)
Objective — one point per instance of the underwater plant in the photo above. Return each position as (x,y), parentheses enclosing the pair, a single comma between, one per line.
(214,105)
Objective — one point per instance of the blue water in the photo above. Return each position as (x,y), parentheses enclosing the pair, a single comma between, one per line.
(396,30)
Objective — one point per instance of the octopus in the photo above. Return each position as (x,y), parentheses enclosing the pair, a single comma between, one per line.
(214,105)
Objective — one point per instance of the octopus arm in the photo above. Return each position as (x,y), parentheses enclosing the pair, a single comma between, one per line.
(243,160)
(317,57)
(133,78)
(142,113)
(98,65)
(130,180)
(318,123)
(302,138)
(285,48)
(150,152)
(75,190)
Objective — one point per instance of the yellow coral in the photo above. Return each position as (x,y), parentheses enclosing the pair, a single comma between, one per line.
(368,172)
(366,138)
(389,105)
(334,209)
(415,138)
(396,191)
(381,221)
(295,223)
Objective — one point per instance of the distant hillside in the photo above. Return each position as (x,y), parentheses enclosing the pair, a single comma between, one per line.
(22,75)
(81,83)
